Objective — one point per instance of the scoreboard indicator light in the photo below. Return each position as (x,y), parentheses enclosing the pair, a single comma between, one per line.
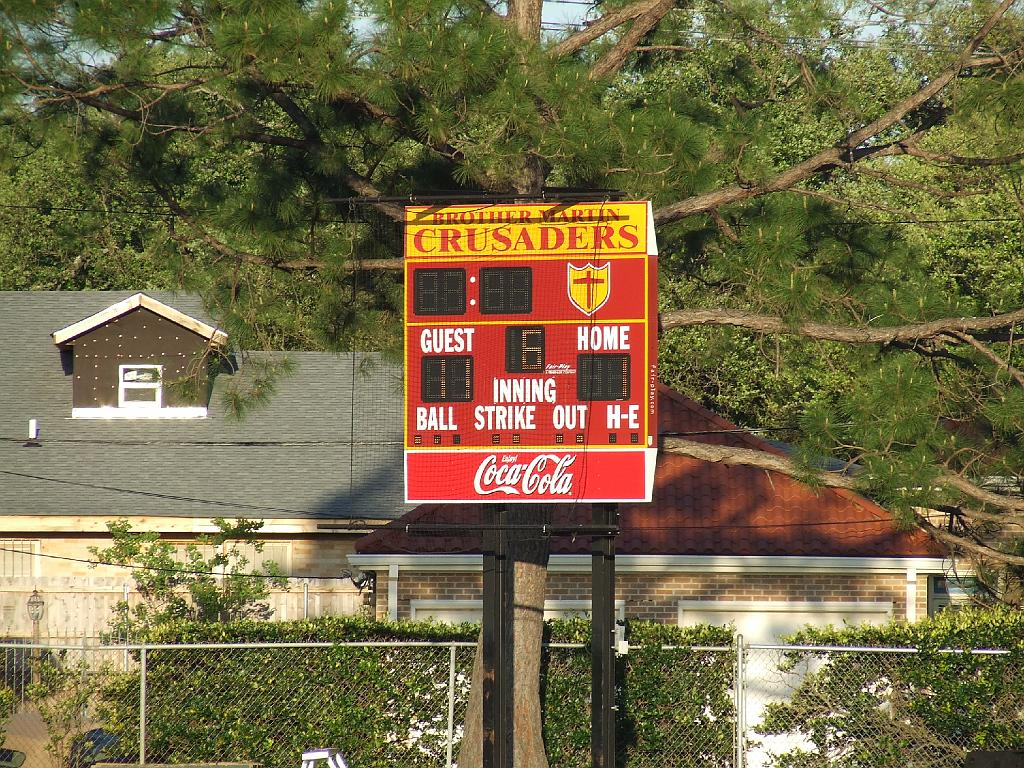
(530,339)
(439,291)
(506,290)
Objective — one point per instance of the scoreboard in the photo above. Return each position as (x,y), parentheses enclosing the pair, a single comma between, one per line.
(530,352)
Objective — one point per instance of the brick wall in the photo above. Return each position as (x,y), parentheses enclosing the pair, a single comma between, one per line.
(655,597)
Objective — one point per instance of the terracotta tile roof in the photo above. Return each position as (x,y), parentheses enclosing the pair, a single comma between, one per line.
(700,508)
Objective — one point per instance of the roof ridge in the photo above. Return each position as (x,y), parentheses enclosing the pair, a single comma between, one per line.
(135,301)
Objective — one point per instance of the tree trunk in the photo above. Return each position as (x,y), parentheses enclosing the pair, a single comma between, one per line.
(529,554)
(525,16)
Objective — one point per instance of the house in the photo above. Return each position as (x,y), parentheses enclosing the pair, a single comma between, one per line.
(721,544)
(112,405)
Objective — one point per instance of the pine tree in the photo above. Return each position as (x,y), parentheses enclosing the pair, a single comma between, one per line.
(273,136)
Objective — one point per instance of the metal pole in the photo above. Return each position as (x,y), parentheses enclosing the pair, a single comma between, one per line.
(741,703)
(602,692)
(126,632)
(142,706)
(451,706)
(497,674)
(305,599)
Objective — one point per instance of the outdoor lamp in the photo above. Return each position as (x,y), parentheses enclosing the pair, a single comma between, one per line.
(35,605)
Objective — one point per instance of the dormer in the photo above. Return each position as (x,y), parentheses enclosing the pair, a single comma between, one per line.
(127,358)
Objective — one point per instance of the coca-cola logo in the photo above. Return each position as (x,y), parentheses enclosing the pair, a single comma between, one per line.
(544,475)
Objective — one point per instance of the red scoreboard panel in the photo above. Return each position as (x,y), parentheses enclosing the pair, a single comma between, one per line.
(530,353)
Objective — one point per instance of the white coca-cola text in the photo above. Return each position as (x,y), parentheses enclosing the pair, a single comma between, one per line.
(544,475)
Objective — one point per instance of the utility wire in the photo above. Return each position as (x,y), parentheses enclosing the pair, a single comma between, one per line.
(352,442)
(170,496)
(161,215)
(133,566)
(201,443)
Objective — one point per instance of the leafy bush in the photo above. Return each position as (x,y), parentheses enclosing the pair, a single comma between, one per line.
(388,705)
(855,709)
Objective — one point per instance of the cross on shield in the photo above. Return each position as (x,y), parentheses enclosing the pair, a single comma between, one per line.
(589,287)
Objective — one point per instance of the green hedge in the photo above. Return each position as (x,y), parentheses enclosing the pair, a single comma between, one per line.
(389,706)
(872,710)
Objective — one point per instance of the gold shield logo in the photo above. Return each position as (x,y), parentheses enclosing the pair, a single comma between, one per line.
(589,287)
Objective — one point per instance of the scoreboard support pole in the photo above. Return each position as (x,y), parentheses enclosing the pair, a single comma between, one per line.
(602,693)
(498,659)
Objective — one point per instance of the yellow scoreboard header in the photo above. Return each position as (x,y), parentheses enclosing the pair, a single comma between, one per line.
(584,229)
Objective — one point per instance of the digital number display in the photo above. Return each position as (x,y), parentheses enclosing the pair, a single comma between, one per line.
(447,379)
(439,291)
(524,349)
(506,290)
(602,377)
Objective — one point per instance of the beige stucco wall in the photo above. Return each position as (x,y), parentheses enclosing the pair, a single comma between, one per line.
(79,598)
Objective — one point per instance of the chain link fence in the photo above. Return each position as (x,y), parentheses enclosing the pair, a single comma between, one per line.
(403,704)
(808,706)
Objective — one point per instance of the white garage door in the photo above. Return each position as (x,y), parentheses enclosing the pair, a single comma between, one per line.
(766,621)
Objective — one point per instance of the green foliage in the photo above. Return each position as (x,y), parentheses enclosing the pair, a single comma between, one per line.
(878,710)
(208,581)
(62,692)
(8,705)
(377,704)
(59,229)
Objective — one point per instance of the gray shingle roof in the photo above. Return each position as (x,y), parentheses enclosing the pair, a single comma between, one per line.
(328,444)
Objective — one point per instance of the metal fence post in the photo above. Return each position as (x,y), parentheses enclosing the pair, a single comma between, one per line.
(126,632)
(451,704)
(741,701)
(142,706)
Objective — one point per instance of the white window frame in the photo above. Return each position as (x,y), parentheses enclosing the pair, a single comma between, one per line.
(32,552)
(954,594)
(123,387)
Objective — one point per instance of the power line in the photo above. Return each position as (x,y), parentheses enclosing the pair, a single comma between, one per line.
(133,566)
(170,496)
(45,209)
(161,215)
(202,443)
(350,442)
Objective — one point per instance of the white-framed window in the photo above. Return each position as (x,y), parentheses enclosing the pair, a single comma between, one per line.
(17,557)
(950,593)
(140,386)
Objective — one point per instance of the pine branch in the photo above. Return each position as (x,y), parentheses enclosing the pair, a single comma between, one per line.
(359,183)
(967,488)
(298,265)
(733,456)
(724,226)
(847,334)
(999,518)
(991,356)
(294,265)
(849,202)
(928,189)
(600,27)
(907,148)
(846,150)
(771,462)
(612,61)
(968,545)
